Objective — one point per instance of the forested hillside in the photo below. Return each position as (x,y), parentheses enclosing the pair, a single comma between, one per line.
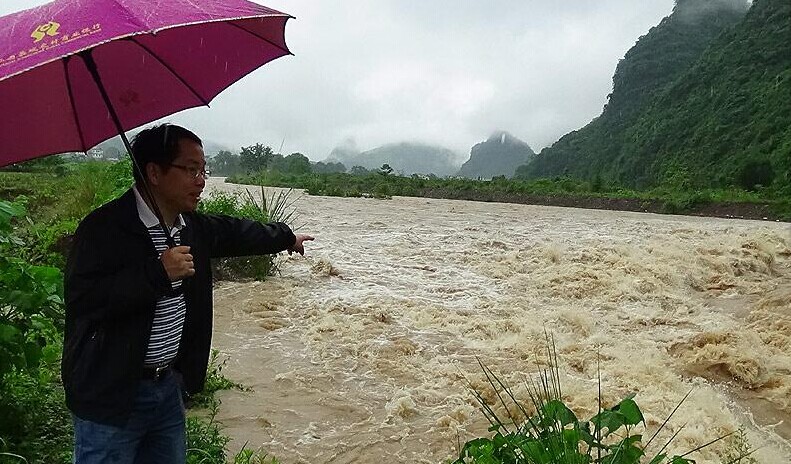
(702,100)
(499,155)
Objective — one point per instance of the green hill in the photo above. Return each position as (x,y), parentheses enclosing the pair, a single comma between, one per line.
(702,100)
(499,155)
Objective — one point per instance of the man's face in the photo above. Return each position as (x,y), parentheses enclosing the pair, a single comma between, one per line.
(177,184)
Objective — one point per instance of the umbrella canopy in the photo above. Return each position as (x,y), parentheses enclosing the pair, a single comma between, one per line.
(76,72)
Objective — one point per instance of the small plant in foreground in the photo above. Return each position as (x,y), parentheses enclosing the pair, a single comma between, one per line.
(738,450)
(215,382)
(554,434)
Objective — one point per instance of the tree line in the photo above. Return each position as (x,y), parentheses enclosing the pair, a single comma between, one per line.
(261,158)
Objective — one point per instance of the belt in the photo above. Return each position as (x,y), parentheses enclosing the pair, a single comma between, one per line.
(156,373)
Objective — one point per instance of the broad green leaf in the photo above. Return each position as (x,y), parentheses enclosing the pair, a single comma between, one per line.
(32,354)
(558,412)
(8,333)
(607,419)
(631,412)
(658,459)
(680,460)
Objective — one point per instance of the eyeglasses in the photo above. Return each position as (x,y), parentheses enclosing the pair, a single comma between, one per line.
(192,171)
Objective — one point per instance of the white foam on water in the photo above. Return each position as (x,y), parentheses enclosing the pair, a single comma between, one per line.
(365,349)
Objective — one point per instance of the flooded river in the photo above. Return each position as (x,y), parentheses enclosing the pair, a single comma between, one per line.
(362,350)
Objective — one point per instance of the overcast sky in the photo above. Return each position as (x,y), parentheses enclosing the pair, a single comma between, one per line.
(445,72)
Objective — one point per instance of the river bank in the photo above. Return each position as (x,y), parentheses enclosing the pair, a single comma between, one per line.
(733,203)
(728,210)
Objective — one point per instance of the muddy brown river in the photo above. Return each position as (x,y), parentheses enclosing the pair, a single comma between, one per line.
(361,351)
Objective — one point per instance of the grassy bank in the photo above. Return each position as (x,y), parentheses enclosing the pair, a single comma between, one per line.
(760,204)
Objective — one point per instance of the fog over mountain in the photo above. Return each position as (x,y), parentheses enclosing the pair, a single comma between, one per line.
(405,158)
(499,155)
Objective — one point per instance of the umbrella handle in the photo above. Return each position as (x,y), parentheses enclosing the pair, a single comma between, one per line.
(87,57)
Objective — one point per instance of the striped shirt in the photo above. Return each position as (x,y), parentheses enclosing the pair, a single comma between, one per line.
(163,344)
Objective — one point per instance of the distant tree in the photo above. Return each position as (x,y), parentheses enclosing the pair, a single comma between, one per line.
(255,157)
(277,163)
(385,170)
(224,163)
(297,163)
(359,171)
(328,168)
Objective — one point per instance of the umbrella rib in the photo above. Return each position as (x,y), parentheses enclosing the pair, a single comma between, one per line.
(73,104)
(284,50)
(172,71)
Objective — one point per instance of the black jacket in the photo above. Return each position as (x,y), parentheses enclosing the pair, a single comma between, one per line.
(112,282)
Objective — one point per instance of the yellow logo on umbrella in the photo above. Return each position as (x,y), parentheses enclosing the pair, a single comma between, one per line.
(49,29)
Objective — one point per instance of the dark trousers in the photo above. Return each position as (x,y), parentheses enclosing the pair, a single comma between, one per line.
(155,432)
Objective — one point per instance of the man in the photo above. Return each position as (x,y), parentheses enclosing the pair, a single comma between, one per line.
(139,313)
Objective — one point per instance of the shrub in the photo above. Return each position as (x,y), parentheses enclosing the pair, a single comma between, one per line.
(278,208)
(35,422)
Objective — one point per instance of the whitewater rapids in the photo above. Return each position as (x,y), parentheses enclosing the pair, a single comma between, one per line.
(362,350)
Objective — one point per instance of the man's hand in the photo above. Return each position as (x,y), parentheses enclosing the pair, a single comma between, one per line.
(297,246)
(178,263)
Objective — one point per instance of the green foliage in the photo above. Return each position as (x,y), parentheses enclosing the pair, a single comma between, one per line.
(206,444)
(756,174)
(36,424)
(93,184)
(30,299)
(52,164)
(262,160)
(59,203)
(296,163)
(739,450)
(699,102)
(224,163)
(215,382)
(669,197)
(234,204)
(279,207)
(49,241)
(205,441)
(554,434)
(328,168)
(248,456)
(255,157)
(385,170)
(31,314)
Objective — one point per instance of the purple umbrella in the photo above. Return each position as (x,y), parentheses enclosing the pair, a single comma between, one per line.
(76,72)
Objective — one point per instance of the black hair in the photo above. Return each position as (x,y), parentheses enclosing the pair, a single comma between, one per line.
(160,145)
